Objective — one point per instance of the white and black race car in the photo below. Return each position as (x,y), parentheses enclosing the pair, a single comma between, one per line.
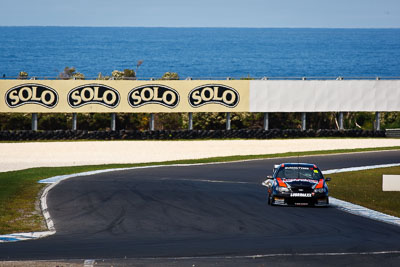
(297,184)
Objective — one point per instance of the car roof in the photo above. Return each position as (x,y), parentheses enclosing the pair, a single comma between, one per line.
(299,165)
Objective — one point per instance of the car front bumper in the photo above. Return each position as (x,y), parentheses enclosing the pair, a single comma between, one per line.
(316,199)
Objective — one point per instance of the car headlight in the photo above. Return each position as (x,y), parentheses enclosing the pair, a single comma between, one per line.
(319,190)
(283,189)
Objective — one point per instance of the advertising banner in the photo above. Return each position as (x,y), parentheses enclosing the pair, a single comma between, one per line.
(86,96)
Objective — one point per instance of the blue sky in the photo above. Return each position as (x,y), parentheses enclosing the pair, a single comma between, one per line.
(203,13)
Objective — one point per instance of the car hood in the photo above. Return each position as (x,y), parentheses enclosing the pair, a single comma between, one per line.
(300,182)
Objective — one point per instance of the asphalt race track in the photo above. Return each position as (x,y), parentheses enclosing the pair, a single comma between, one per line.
(209,213)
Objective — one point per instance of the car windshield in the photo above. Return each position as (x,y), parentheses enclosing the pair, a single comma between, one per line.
(296,172)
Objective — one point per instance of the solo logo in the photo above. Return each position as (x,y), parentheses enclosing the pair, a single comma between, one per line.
(31,94)
(93,94)
(214,93)
(153,94)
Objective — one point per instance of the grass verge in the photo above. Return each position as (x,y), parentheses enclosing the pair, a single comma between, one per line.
(365,188)
(19,190)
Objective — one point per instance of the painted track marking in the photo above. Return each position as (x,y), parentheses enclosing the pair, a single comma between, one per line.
(260,256)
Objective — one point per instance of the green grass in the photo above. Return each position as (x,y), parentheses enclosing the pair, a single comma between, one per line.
(365,188)
(20,192)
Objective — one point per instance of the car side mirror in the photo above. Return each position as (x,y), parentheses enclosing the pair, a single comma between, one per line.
(268,182)
(327,179)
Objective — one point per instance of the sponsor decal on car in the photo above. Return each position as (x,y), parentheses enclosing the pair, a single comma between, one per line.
(300,195)
(31,94)
(297,168)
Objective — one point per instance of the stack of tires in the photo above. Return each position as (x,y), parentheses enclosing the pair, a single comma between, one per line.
(181,134)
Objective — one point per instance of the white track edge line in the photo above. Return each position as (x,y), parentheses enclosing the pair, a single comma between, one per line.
(260,256)
(257,256)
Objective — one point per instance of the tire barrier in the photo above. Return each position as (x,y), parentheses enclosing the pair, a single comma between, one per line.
(23,135)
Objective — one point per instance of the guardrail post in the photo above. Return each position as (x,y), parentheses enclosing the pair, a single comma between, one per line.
(303,115)
(34,121)
(377,121)
(303,121)
(341,121)
(151,126)
(266,121)
(113,122)
(228,121)
(190,121)
(74,121)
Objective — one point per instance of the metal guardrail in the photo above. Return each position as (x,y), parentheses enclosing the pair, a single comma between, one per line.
(213,78)
(393,133)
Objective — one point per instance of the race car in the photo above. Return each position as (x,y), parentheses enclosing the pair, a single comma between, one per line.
(297,184)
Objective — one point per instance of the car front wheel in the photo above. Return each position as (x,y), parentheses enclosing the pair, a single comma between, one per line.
(271,200)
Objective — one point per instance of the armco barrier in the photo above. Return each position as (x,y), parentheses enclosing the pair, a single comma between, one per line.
(393,133)
(181,134)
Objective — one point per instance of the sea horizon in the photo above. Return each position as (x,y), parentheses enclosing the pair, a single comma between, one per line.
(44,51)
(197,27)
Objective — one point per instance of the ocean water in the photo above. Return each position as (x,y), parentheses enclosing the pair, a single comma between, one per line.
(201,52)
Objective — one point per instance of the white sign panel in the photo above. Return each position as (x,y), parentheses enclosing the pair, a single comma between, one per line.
(391,182)
(324,96)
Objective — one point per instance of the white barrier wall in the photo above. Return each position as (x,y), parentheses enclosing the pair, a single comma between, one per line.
(324,96)
(391,182)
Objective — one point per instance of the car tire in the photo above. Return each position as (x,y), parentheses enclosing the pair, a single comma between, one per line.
(271,201)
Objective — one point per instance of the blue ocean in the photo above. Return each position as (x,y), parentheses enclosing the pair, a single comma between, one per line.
(201,52)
